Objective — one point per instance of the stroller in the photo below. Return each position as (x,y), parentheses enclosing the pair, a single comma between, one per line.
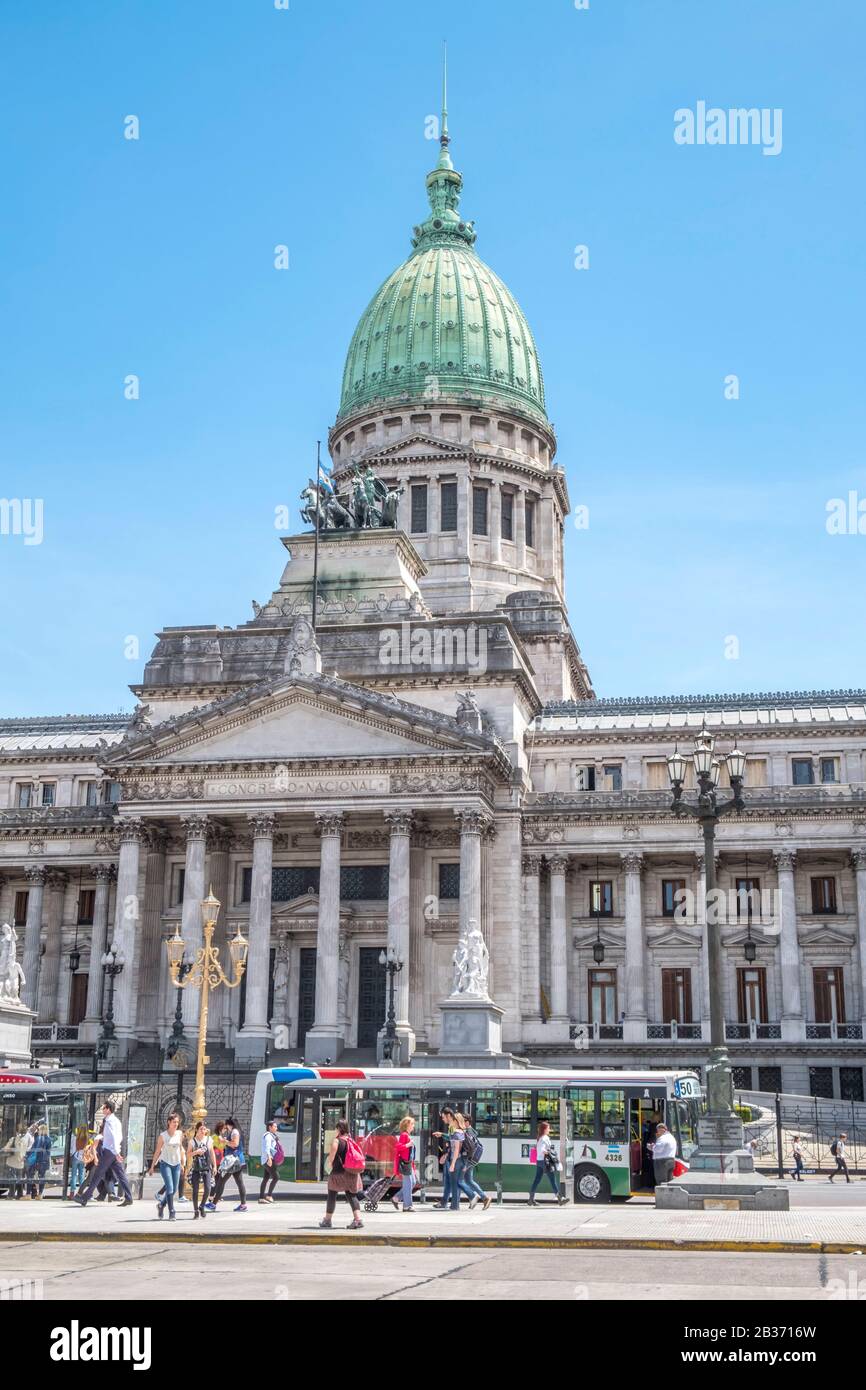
(389,1186)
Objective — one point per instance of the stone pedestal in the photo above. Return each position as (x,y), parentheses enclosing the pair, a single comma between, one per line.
(363,575)
(16,1024)
(471,1031)
(722,1173)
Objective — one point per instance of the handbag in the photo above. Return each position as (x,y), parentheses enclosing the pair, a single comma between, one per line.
(228,1165)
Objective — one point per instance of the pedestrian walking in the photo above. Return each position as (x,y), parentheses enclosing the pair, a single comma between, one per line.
(404,1160)
(471,1153)
(456,1162)
(797,1155)
(346,1163)
(234,1165)
(839,1151)
(169,1154)
(443,1156)
(546,1164)
(78,1142)
(110,1162)
(272,1157)
(664,1154)
(201,1163)
(38,1160)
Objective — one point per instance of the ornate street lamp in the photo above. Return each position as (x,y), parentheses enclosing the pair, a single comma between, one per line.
(595,911)
(708,811)
(750,949)
(393,964)
(205,973)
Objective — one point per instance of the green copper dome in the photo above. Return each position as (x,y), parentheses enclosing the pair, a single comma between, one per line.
(443,324)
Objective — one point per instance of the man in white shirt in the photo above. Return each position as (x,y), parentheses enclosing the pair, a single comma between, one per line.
(110,1163)
(841,1157)
(664,1154)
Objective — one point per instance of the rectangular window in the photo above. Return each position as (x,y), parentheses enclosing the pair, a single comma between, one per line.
(602,996)
(752,994)
(803,772)
(756,772)
(748,899)
(612,778)
(419,508)
(769,1079)
(364,881)
(601,897)
(742,1077)
(24,795)
(86,901)
(530,523)
(829,990)
(112,792)
(479,511)
(613,1116)
(583,1106)
(286,882)
(821,1082)
(677,996)
(584,779)
(48,793)
(547,1108)
(851,1083)
(670,888)
(824,894)
(516,1114)
(449,881)
(448,507)
(178,884)
(829,770)
(91,793)
(507,528)
(21,908)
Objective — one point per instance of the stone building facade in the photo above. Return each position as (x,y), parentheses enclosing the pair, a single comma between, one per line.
(438,754)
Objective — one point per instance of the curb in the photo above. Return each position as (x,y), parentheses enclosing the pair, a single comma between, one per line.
(774,1247)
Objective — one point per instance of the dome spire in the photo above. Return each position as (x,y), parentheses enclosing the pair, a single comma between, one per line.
(444,184)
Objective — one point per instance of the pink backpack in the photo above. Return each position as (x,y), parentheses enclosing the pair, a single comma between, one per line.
(354,1162)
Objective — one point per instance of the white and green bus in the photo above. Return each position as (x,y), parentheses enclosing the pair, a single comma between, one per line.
(602,1121)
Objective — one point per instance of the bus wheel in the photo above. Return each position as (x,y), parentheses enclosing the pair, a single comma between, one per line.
(590,1184)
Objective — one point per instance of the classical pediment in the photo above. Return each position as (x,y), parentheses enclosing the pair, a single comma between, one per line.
(676,938)
(414,446)
(825,936)
(295,717)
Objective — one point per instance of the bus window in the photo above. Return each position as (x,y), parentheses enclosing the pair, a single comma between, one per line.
(516,1114)
(486,1122)
(683,1120)
(613,1116)
(547,1108)
(583,1107)
(280,1106)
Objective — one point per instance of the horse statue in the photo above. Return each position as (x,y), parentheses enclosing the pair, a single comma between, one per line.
(313,504)
(339,517)
(389,507)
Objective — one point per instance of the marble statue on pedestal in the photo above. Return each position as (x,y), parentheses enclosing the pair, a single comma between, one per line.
(11,974)
(471,962)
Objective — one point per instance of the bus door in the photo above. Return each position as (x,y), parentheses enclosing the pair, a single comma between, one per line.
(645,1110)
(317,1125)
(432,1122)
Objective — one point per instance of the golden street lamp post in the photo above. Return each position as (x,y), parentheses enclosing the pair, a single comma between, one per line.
(206,974)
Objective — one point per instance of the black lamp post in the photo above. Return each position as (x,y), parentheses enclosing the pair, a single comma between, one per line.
(112,965)
(595,908)
(175,1041)
(393,964)
(708,811)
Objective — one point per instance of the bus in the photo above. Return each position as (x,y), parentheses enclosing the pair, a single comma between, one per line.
(601,1120)
(58,1102)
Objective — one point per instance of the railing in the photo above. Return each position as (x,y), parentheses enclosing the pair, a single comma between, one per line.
(54,1032)
(816,1122)
(30,817)
(675,1032)
(834,1032)
(598,1032)
(640,800)
(753,1032)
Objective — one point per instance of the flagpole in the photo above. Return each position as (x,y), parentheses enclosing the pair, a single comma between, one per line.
(316,548)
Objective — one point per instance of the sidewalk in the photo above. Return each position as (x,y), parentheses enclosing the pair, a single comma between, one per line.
(808,1230)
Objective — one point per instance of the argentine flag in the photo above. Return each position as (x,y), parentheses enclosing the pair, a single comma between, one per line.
(325,481)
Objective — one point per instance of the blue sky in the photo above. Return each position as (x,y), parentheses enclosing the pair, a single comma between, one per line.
(306,127)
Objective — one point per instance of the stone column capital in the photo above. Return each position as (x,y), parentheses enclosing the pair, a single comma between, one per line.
(330,823)
(36,874)
(472,822)
(56,879)
(262,823)
(632,862)
(195,825)
(785,860)
(531,865)
(103,873)
(858,859)
(559,863)
(399,822)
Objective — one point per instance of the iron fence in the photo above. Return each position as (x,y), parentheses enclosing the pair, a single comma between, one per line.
(227,1093)
(815,1121)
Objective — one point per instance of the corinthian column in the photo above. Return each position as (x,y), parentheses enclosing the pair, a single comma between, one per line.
(634,1029)
(35,875)
(399,931)
(858,863)
(103,873)
(150,948)
(325,1038)
(559,866)
(256,1023)
(127,917)
(793,1028)
(50,976)
(531,938)
(472,825)
(196,827)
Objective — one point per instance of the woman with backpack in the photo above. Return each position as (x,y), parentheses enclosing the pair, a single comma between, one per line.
(201,1166)
(234,1165)
(404,1160)
(545,1164)
(346,1162)
(272,1156)
(471,1152)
